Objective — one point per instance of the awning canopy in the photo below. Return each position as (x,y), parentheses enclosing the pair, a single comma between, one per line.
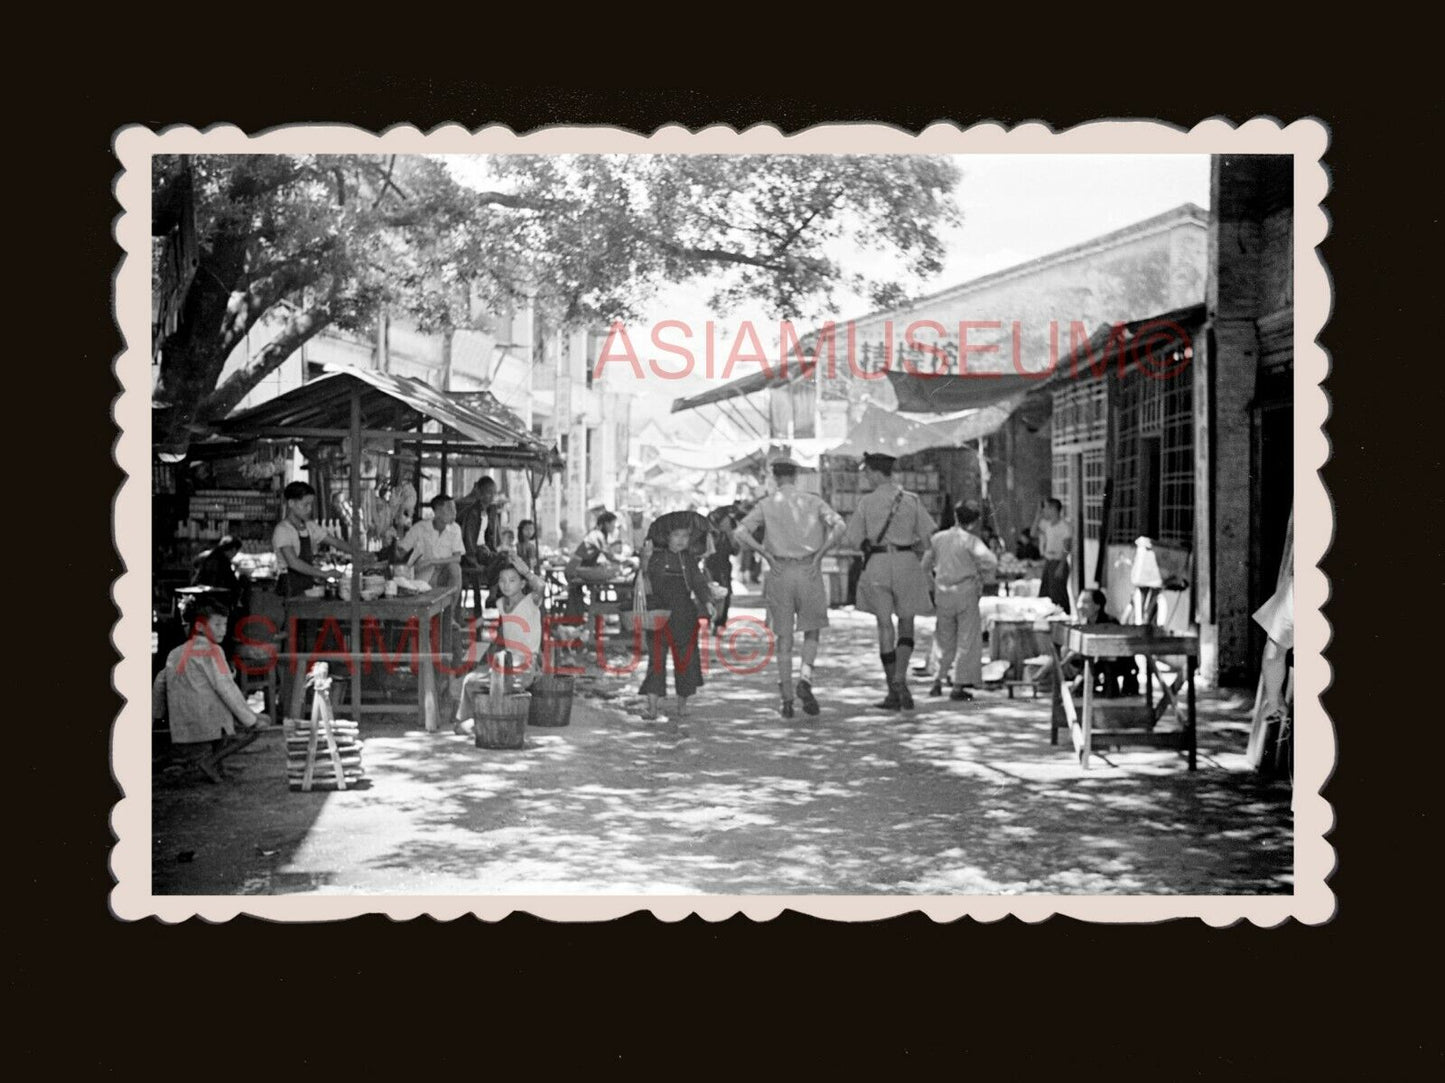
(472,424)
(1112,349)
(746,385)
(892,433)
(951,393)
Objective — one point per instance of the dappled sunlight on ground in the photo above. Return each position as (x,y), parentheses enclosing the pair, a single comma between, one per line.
(953,798)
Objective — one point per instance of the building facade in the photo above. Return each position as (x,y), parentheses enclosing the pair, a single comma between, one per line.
(1251,397)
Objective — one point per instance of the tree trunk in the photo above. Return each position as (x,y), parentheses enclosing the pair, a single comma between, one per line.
(193,357)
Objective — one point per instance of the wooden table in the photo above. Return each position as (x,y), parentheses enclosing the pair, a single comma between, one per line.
(400,610)
(1124,720)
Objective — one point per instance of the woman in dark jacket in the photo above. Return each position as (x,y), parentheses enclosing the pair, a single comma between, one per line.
(674,582)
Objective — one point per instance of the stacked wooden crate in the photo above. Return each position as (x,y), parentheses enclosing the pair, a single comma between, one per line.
(345,737)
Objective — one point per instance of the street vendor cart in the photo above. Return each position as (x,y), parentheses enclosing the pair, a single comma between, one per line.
(1125,720)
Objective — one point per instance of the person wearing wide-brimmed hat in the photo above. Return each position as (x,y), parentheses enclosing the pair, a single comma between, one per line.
(958,561)
(673,581)
(798,530)
(891,526)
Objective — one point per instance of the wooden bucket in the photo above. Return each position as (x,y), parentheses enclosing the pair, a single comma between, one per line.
(551,701)
(501,721)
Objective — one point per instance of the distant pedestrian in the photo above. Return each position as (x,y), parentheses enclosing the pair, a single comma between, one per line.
(1055,537)
(891,527)
(958,561)
(719,562)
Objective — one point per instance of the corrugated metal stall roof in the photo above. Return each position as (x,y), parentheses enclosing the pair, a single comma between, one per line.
(398,404)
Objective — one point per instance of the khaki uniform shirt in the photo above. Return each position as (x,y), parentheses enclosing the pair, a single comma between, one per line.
(795,523)
(911,524)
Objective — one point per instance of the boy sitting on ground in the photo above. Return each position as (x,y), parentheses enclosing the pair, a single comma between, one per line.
(198,695)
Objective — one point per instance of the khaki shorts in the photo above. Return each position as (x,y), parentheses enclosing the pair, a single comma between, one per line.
(794,589)
(893,584)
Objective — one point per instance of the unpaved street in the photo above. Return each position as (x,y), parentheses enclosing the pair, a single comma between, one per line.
(951,799)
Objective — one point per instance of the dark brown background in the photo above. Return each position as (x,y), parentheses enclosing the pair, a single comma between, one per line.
(1179,1000)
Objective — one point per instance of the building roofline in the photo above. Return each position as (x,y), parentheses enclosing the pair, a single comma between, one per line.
(1184,213)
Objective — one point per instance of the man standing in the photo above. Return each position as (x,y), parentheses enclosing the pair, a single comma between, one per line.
(1055,536)
(798,529)
(891,527)
(298,539)
(480,526)
(958,560)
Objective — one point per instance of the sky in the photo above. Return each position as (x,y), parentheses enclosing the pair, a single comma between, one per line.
(1015,208)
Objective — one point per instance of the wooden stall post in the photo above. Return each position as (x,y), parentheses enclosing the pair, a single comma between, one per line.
(357,550)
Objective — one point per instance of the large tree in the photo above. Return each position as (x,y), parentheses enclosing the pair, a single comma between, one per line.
(327,241)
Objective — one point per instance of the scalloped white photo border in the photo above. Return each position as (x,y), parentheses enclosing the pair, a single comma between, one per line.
(1311,902)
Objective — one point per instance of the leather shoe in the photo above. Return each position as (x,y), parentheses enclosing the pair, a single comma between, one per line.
(905,697)
(936,690)
(960,694)
(891,702)
(805,693)
(787,709)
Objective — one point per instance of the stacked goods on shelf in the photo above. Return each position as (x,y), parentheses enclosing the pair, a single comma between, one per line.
(216,512)
(347,736)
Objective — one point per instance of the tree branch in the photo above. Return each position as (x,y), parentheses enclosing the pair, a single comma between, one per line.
(300,329)
(718,255)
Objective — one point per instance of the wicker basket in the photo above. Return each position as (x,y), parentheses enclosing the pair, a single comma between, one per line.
(649,620)
(501,722)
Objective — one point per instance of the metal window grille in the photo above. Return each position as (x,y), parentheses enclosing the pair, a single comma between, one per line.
(1176,475)
(1060,488)
(1093,478)
(1163,408)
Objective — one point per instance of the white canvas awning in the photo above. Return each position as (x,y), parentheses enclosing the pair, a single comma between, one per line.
(891,432)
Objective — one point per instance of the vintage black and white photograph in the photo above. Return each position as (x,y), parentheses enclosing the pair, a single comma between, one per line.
(695,523)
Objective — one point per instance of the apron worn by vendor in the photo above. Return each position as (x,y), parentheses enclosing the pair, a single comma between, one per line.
(294,583)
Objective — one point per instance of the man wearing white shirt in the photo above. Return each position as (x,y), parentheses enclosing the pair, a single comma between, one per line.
(1055,536)
(298,539)
(958,561)
(434,545)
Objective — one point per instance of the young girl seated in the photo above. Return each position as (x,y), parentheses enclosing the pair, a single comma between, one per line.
(674,582)
(515,645)
(198,695)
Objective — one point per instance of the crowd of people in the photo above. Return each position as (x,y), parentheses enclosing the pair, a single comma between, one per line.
(910,566)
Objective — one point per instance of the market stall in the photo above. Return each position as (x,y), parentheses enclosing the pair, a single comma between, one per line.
(342,417)
(1127,719)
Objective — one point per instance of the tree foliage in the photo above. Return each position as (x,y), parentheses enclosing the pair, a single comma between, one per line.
(328,241)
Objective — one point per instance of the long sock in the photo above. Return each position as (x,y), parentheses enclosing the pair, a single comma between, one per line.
(905,655)
(805,672)
(889,659)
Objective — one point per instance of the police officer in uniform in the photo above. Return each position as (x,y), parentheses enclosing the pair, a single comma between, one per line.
(892,527)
